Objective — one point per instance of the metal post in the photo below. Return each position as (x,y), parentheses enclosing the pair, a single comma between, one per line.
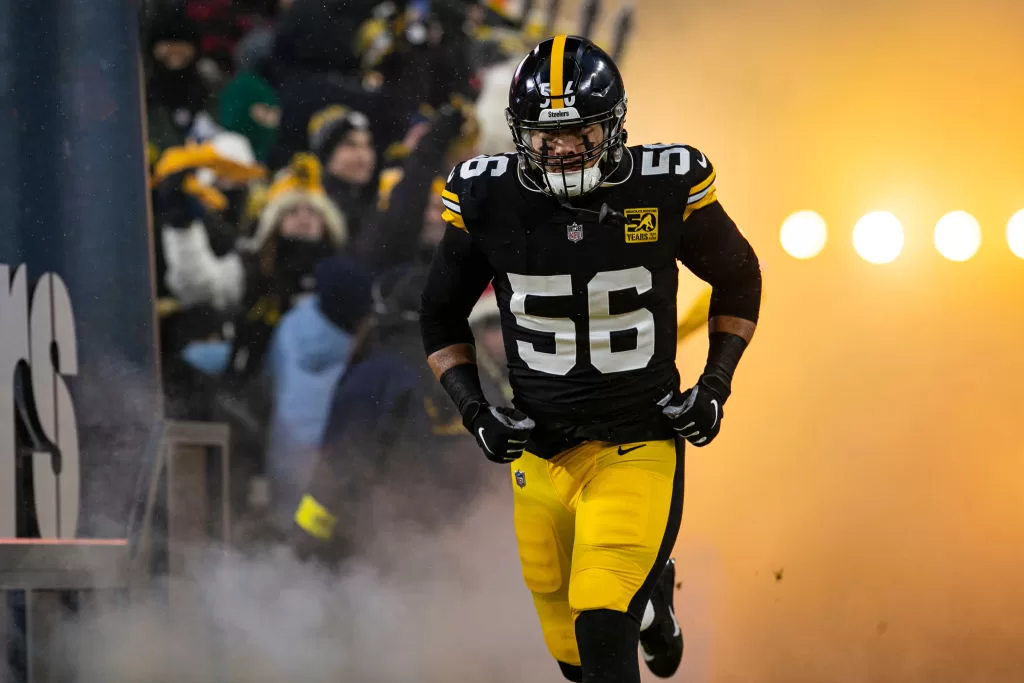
(44,613)
(5,638)
(45,569)
(190,521)
(187,444)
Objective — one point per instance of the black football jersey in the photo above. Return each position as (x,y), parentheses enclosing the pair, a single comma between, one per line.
(587,293)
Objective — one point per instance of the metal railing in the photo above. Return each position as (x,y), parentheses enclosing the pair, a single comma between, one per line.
(197,512)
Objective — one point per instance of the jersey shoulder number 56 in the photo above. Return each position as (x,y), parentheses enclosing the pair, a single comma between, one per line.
(458,189)
(689,165)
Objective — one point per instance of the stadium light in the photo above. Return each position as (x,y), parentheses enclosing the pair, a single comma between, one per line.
(958,236)
(878,237)
(1015,233)
(803,234)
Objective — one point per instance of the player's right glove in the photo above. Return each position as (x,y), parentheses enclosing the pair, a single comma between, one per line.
(501,432)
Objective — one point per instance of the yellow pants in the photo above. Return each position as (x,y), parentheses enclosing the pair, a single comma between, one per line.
(595,526)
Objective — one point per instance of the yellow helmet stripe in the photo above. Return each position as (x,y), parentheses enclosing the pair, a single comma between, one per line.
(557,76)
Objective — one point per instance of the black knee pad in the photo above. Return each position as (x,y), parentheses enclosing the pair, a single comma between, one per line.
(608,643)
(571,672)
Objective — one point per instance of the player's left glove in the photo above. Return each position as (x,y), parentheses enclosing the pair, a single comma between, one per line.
(696,414)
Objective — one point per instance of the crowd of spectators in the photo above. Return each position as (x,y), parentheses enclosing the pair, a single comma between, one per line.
(297,152)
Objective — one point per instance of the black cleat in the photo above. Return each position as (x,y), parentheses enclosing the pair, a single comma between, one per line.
(661,643)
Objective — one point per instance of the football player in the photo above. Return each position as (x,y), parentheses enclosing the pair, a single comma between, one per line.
(580,235)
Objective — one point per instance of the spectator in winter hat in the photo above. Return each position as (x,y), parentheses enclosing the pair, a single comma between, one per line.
(298,214)
(394,451)
(408,226)
(299,226)
(309,355)
(248,105)
(175,91)
(342,140)
(194,186)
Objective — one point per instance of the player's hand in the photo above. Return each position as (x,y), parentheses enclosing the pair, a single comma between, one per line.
(695,414)
(501,432)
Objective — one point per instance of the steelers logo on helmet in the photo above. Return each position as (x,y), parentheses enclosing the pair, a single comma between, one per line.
(566,110)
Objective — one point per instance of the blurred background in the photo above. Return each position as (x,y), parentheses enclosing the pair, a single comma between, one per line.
(238,200)
(861,519)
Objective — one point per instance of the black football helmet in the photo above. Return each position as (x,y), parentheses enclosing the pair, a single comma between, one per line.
(567,82)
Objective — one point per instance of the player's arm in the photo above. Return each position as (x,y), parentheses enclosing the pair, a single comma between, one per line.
(458,276)
(713,248)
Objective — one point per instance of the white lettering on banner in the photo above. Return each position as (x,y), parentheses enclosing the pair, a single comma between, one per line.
(13,349)
(42,337)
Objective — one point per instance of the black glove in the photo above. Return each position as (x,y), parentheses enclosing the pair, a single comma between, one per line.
(696,414)
(501,432)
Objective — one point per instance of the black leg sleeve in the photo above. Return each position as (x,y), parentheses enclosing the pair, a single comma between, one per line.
(571,672)
(608,644)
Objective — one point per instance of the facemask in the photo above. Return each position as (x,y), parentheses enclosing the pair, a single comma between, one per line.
(573,183)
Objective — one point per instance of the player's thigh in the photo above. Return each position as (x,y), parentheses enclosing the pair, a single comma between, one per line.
(544,526)
(627,521)
(544,534)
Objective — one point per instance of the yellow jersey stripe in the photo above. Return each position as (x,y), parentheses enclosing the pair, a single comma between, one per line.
(704,184)
(450,196)
(710,198)
(557,75)
(315,519)
(452,218)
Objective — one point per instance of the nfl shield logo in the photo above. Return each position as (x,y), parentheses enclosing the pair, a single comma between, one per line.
(520,478)
(575,232)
